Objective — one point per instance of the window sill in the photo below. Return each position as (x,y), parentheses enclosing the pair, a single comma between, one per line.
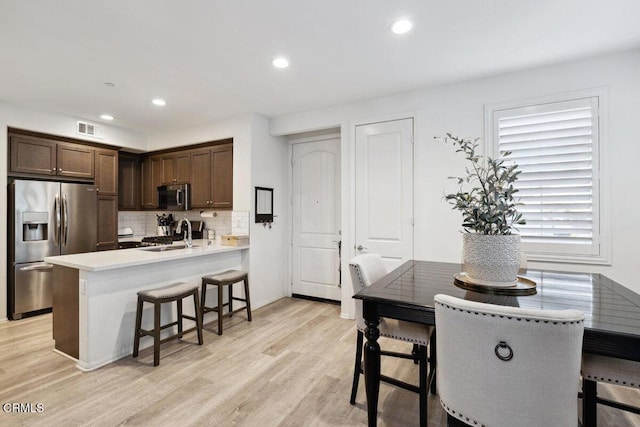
(568,259)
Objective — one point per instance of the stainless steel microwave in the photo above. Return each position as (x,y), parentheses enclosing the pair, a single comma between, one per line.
(174,197)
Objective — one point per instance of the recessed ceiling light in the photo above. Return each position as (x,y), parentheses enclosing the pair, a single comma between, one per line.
(280,62)
(106,117)
(159,102)
(401,26)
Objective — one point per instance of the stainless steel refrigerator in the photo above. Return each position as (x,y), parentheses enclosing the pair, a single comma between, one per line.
(45,219)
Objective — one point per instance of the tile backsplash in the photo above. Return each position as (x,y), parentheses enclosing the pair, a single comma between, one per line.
(144,223)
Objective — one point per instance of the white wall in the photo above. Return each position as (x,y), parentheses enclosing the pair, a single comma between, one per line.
(269,248)
(15,117)
(459,108)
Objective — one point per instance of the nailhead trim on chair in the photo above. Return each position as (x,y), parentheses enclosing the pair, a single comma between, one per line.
(467,419)
(511,317)
(611,381)
(359,275)
(405,339)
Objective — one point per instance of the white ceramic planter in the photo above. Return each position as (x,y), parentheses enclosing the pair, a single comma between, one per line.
(491,258)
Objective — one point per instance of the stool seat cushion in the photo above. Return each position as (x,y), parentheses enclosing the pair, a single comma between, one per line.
(169,291)
(227,276)
(611,370)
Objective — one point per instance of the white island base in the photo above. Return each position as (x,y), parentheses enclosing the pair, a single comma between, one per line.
(106,285)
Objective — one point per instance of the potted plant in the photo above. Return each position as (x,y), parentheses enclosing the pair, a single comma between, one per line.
(491,251)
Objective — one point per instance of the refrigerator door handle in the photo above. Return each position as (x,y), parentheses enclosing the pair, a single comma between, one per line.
(41,266)
(65,216)
(56,208)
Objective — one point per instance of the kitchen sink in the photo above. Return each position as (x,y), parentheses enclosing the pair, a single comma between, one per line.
(165,248)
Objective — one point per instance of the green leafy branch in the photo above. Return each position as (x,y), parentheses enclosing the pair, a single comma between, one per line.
(489,207)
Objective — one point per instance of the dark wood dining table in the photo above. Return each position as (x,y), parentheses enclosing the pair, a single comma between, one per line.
(612,312)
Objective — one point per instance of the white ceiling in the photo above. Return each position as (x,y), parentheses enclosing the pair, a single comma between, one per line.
(211,59)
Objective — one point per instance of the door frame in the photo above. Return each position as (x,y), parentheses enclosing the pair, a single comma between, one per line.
(304,139)
(349,228)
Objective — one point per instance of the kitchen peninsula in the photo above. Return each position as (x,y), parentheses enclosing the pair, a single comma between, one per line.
(95,294)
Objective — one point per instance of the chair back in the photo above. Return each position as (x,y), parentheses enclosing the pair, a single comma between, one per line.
(365,269)
(506,366)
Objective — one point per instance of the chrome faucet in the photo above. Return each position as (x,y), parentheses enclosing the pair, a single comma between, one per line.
(187,233)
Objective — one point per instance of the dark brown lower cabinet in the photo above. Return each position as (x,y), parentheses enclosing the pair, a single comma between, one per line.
(107,223)
(66,310)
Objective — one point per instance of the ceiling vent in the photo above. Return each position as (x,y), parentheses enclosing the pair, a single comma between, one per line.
(89,129)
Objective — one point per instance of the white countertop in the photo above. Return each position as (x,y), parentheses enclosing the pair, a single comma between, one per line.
(109,260)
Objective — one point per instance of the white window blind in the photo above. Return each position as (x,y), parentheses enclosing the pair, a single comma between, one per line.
(556,146)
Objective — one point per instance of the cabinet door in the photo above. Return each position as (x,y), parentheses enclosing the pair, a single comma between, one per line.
(107,223)
(32,155)
(168,169)
(129,185)
(152,178)
(201,178)
(222,176)
(176,167)
(107,172)
(146,183)
(183,166)
(75,160)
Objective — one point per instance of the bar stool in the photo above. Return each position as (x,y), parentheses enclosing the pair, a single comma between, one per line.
(175,292)
(228,278)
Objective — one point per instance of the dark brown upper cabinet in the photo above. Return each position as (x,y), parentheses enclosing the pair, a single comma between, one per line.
(129,182)
(176,167)
(152,177)
(106,172)
(30,155)
(212,177)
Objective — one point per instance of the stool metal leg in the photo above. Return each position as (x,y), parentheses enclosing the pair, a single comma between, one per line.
(156,333)
(136,339)
(220,309)
(246,296)
(230,299)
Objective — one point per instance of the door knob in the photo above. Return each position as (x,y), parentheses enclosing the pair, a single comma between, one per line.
(360,248)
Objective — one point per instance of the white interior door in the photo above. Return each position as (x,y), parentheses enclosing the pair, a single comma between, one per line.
(316,219)
(384,190)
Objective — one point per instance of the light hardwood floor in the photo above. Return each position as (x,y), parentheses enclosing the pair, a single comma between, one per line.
(291,366)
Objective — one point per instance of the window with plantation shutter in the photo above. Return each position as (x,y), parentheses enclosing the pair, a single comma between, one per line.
(556,145)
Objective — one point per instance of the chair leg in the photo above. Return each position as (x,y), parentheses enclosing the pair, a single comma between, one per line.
(220,307)
(179,303)
(589,402)
(432,362)
(203,298)
(422,351)
(136,339)
(230,299)
(197,316)
(246,296)
(357,366)
(156,333)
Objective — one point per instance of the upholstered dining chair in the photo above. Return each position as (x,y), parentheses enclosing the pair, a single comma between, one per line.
(506,366)
(366,269)
(595,369)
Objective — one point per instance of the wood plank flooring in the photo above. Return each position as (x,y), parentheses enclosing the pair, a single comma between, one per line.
(291,366)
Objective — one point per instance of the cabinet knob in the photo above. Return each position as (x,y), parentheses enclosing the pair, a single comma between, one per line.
(53,169)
